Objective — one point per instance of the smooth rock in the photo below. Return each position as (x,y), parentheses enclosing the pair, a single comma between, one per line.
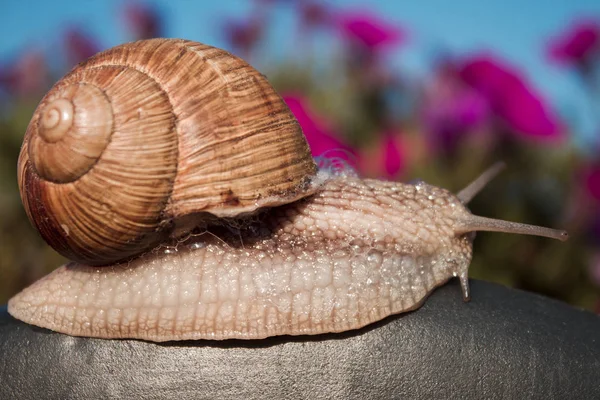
(504,344)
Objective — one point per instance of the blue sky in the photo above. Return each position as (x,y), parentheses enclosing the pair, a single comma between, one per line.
(517,30)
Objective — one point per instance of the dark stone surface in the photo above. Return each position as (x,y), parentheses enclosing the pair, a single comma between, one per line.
(503,344)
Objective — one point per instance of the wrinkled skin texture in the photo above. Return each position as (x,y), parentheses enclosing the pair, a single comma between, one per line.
(352,254)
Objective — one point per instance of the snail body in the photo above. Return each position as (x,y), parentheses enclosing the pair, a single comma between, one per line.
(329,253)
(336,262)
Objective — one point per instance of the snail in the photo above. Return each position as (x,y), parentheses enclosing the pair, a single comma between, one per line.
(184,191)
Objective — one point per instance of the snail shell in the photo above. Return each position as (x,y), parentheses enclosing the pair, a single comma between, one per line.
(135,141)
(177,128)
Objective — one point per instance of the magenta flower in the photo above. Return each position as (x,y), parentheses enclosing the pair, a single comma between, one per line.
(143,21)
(387,158)
(322,141)
(369,31)
(575,46)
(451,108)
(591,179)
(79,46)
(392,156)
(313,14)
(27,76)
(510,98)
(243,35)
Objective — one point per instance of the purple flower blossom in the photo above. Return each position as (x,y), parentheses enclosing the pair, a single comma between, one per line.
(243,35)
(591,179)
(322,141)
(79,46)
(313,14)
(387,158)
(577,44)
(27,76)
(369,31)
(143,21)
(511,98)
(452,109)
(392,155)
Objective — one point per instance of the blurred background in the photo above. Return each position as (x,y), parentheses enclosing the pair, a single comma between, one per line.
(431,90)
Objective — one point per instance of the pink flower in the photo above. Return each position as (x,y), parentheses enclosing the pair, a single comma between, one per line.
(322,141)
(392,155)
(313,14)
(511,98)
(584,207)
(577,44)
(591,179)
(387,159)
(452,108)
(27,76)
(369,31)
(79,46)
(243,35)
(143,21)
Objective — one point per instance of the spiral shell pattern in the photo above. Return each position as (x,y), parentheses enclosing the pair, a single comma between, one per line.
(65,122)
(145,134)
